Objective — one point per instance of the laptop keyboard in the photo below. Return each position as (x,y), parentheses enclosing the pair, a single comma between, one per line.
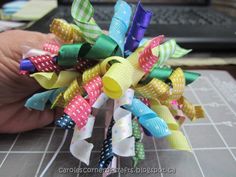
(163,16)
(188,16)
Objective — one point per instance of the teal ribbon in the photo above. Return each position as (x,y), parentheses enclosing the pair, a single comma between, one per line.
(164,73)
(39,101)
(120,23)
(148,119)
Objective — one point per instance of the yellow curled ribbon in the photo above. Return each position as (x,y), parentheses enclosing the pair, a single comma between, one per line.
(51,80)
(65,31)
(176,139)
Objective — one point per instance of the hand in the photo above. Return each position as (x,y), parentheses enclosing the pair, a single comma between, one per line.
(14,88)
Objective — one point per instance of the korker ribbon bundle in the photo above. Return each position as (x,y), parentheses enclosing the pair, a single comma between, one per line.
(92,67)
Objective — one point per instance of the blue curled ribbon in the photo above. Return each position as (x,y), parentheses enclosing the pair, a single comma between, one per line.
(120,23)
(39,100)
(148,119)
(136,33)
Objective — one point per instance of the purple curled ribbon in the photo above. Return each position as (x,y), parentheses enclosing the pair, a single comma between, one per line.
(136,33)
(27,65)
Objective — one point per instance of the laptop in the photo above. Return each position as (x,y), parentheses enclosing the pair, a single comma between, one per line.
(193,23)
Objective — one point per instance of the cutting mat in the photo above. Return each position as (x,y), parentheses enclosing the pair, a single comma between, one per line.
(213,142)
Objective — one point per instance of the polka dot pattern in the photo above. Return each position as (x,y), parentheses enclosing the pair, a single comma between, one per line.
(44,63)
(106,155)
(73,90)
(93,89)
(91,73)
(78,109)
(62,29)
(146,57)
(155,89)
(65,122)
(51,47)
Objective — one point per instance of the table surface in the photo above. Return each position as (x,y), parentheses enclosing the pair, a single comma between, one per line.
(213,141)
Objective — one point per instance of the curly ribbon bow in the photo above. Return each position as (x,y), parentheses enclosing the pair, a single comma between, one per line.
(164,73)
(107,155)
(146,57)
(120,23)
(42,62)
(122,140)
(169,49)
(139,147)
(82,12)
(65,31)
(39,100)
(141,21)
(52,80)
(79,108)
(103,48)
(115,84)
(176,139)
(80,148)
(160,91)
(148,119)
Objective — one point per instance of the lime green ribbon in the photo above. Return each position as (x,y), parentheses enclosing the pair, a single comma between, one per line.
(164,73)
(104,47)
(139,147)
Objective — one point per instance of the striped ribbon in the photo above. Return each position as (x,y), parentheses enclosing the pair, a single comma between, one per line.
(169,49)
(82,12)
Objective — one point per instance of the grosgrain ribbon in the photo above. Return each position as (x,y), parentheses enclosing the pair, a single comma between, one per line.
(79,108)
(107,155)
(140,23)
(103,48)
(139,147)
(176,139)
(65,31)
(44,63)
(164,73)
(120,23)
(169,49)
(39,100)
(146,58)
(52,47)
(148,119)
(51,80)
(82,12)
(123,143)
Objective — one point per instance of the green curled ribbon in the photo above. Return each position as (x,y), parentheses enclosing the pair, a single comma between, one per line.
(164,73)
(139,147)
(104,47)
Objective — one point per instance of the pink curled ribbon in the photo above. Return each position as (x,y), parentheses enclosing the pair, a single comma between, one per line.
(44,63)
(146,58)
(52,47)
(79,108)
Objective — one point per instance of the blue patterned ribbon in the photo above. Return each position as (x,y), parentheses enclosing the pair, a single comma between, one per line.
(120,23)
(148,119)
